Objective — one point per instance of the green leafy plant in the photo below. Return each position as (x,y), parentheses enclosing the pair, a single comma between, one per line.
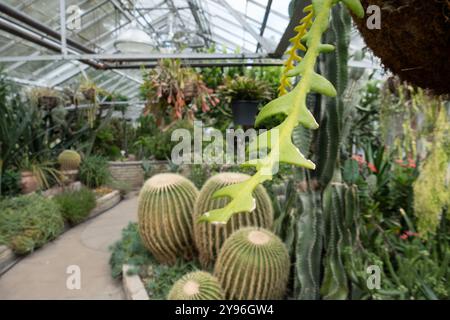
(293,106)
(245,88)
(198,285)
(158,278)
(76,205)
(10,183)
(45,172)
(94,172)
(28,222)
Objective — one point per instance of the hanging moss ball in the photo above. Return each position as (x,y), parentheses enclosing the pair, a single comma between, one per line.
(413,41)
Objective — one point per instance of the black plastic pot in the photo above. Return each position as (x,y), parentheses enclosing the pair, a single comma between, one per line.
(244,112)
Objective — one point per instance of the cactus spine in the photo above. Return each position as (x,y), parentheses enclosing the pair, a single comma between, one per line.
(210,237)
(197,286)
(253,264)
(165,220)
(69,160)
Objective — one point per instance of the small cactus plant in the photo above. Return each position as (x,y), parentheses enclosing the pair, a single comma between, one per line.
(198,285)
(253,264)
(69,160)
(210,237)
(165,209)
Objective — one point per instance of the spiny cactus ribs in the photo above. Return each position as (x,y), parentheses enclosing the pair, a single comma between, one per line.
(197,286)
(165,209)
(69,160)
(210,237)
(253,264)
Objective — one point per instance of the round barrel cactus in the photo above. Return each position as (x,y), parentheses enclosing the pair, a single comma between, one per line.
(69,160)
(165,209)
(210,237)
(198,285)
(253,265)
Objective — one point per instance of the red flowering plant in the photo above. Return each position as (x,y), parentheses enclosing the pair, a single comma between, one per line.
(174,93)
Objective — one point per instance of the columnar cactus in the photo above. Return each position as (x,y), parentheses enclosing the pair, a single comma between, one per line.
(197,286)
(69,160)
(210,237)
(253,264)
(165,209)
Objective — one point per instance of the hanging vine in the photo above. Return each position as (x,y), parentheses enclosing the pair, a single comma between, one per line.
(293,106)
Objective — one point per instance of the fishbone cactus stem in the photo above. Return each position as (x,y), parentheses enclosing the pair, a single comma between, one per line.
(293,106)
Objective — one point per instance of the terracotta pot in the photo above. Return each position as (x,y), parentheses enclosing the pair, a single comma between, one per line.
(70,176)
(29,183)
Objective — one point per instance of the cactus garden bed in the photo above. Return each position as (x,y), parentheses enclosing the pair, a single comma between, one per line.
(30,221)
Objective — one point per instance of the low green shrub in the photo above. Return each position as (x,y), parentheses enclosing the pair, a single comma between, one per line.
(76,205)
(158,279)
(10,183)
(28,222)
(94,172)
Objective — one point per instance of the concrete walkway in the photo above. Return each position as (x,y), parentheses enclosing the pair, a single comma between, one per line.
(43,274)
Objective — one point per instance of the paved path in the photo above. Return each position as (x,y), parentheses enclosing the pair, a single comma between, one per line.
(42,275)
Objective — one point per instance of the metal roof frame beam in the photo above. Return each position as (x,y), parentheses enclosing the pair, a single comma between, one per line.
(265,44)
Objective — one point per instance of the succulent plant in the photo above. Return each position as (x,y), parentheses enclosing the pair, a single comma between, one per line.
(69,160)
(253,264)
(210,237)
(165,209)
(198,285)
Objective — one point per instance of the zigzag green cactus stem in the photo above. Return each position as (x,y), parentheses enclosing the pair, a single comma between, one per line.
(309,246)
(334,285)
(209,238)
(165,221)
(253,264)
(198,285)
(69,160)
(294,106)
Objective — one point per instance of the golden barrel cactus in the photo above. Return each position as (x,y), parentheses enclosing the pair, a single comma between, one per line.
(253,264)
(69,160)
(165,223)
(210,237)
(198,285)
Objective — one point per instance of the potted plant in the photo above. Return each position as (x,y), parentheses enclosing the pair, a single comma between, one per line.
(45,98)
(245,94)
(34,175)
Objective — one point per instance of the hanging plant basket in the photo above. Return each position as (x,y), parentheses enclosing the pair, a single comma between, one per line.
(413,42)
(89,94)
(190,91)
(244,112)
(48,102)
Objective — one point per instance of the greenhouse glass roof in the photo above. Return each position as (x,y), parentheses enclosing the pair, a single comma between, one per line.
(35,50)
